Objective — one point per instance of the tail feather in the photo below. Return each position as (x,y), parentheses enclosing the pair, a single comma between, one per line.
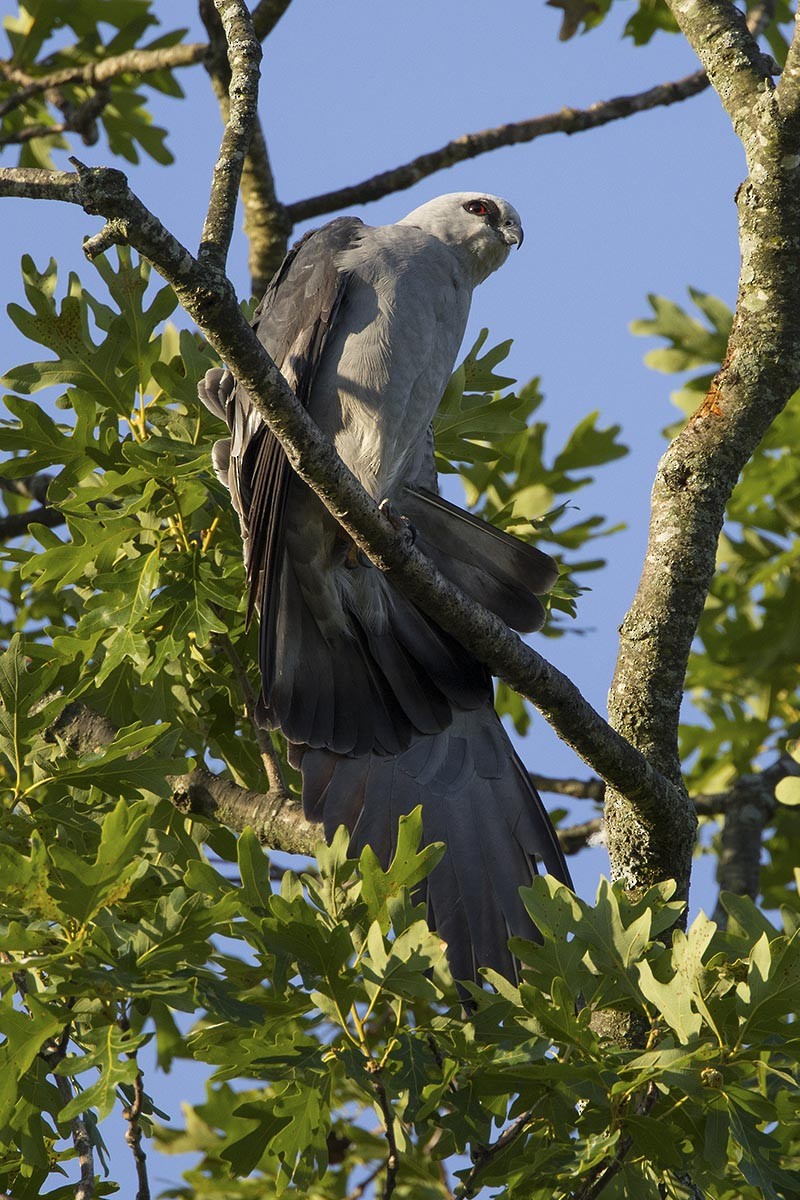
(477,798)
(499,571)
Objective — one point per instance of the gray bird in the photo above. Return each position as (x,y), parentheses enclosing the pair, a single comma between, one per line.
(382,709)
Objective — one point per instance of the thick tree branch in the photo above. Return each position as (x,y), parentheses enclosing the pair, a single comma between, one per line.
(697,474)
(244,57)
(471,145)
(788,90)
(740,74)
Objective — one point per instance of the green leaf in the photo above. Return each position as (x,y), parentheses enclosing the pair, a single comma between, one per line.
(408,866)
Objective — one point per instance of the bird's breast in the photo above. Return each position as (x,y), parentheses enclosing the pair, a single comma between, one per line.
(385,370)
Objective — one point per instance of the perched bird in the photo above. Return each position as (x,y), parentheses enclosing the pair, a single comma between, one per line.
(382,709)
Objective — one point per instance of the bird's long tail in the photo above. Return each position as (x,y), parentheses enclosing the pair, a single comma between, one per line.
(477,798)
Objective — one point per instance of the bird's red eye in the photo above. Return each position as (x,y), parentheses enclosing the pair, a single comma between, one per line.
(477,207)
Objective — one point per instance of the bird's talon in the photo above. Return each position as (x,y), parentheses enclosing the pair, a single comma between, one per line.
(398,521)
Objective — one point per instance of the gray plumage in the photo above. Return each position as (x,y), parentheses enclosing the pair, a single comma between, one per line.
(384,710)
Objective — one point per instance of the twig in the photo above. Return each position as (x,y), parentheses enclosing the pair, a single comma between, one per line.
(81,118)
(485,1155)
(360,1188)
(15,524)
(602,1174)
(266,15)
(133,1138)
(470,145)
(132,62)
(53,1053)
(244,57)
(574,838)
(387,1112)
(32,487)
(578,789)
(269,759)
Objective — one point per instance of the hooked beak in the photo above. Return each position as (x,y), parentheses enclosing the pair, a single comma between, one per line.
(512,234)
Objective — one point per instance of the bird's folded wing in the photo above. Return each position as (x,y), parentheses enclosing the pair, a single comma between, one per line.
(496,569)
(293,321)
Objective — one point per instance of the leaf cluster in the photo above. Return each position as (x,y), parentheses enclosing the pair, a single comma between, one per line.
(326,1010)
(40,45)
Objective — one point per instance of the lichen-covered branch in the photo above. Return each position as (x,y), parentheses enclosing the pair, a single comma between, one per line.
(738,71)
(788,89)
(244,57)
(697,474)
(266,224)
(471,145)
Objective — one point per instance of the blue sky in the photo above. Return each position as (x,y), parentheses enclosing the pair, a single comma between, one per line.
(643,205)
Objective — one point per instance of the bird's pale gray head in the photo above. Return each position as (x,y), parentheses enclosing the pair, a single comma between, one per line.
(479,226)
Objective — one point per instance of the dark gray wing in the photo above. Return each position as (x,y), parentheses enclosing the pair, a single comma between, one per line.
(293,322)
(495,568)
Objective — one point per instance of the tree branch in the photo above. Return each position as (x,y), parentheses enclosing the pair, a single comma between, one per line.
(471,145)
(739,73)
(15,524)
(578,789)
(133,1138)
(244,57)
(788,89)
(133,62)
(266,224)
(697,474)
(487,1154)
(266,15)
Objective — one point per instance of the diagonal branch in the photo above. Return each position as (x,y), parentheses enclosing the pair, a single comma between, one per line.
(266,15)
(471,145)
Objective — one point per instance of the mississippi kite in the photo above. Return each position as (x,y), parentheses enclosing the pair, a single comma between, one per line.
(382,709)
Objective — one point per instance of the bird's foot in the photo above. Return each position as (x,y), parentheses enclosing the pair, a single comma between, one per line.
(398,521)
